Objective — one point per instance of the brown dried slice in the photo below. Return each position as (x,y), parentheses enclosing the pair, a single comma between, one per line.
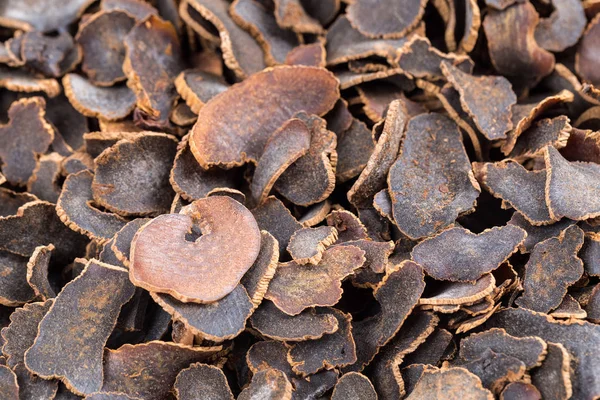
(315,386)
(459,255)
(217,140)
(83,309)
(273,216)
(138,9)
(182,115)
(315,214)
(256,280)
(14,288)
(569,308)
(202,381)
(11,201)
(290,14)
(432,350)
(553,378)
(572,188)
(20,80)
(563,28)
(152,62)
(273,323)
(33,387)
(493,118)
(372,178)
(9,388)
(24,138)
(376,97)
(397,294)
(455,383)
(101,39)
(109,103)
(296,287)
(41,15)
(552,267)
(457,293)
(587,53)
(386,19)
(556,132)
(197,87)
(307,245)
(536,234)
(149,370)
(354,148)
(431,183)
(354,386)
(43,182)
(269,354)
(348,226)
(517,54)
(163,242)
(592,308)
(131,176)
(496,369)
(376,253)
(268,384)
(310,55)
(121,242)
(582,146)
(217,321)
(520,391)
(287,144)
(260,21)
(110,396)
(37,272)
(50,56)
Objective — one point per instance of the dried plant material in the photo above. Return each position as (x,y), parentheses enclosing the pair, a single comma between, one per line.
(34,387)
(19,80)
(121,242)
(43,183)
(241,52)
(496,369)
(563,28)
(315,214)
(314,386)
(431,183)
(582,146)
(493,118)
(11,201)
(160,363)
(14,288)
(376,97)
(218,141)
(372,178)
(101,40)
(256,280)
(455,383)
(354,148)
(268,384)
(182,115)
(516,54)
(536,234)
(197,87)
(572,188)
(569,308)
(290,14)
(109,396)
(354,386)
(458,255)
(385,19)
(587,50)
(287,144)
(296,287)
(41,15)
(348,226)
(202,380)
(9,389)
(269,354)
(24,138)
(310,55)
(49,56)
(376,253)
(37,272)
(552,267)
(132,176)
(273,216)
(217,321)
(457,293)
(83,309)
(555,132)
(397,294)
(110,103)
(553,378)
(520,391)
(432,350)
(137,9)
(273,323)
(163,242)
(153,60)
(260,21)
(307,245)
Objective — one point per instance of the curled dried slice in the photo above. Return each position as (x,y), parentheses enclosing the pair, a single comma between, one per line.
(24,138)
(195,272)
(101,40)
(455,383)
(11,201)
(556,132)
(592,308)
(257,279)
(563,28)
(269,354)
(110,103)
(202,380)
(354,148)
(132,176)
(431,183)
(520,391)
(44,182)
(348,226)
(553,378)
(552,267)
(268,384)
(149,370)
(354,386)
(41,15)
(572,188)
(432,350)
(37,272)
(296,287)
(581,146)
(315,214)
(121,242)
(459,255)
(308,244)
(274,217)
(290,14)
(19,80)
(218,141)
(536,234)
(14,288)
(9,388)
(386,19)
(273,323)
(454,293)
(492,115)
(311,55)
(587,53)
(496,370)
(314,386)
(217,321)
(75,208)
(197,87)
(83,309)
(376,253)
(138,9)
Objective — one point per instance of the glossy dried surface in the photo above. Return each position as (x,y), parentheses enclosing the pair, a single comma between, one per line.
(202,380)
(520,391)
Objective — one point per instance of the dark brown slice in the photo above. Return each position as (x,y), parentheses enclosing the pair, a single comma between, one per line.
(296,287)
(269,354)
(101,39)
(582,145)
(273,216)
(553,378)
(14,288)
(520,391)
(202,381)
(331,351)
(47,55)
(536,234)
(376,97)
(455,383)
(121,243)
(42,15)
(44,182)
(354,386)
(376,253)
(34,387)
(131,176)
(386,19)
(290,14)
(569,308)
(308,244)
(9,388)
(73,333)
(457,293)
(354,148)
(315,386)
(19,80)
(149,370)
(432,350)
(10,201)
(556,132)
(197,87)
(348,226)
(310,55)
(268,384)
(587,53)
(110,396)
(411,375)
(315,214)
(496,369)
(431,183)
(138,9)
(552,267)
(37,272)
(563,28)
(256,280)
(229,232)
(459,255)
(218,141)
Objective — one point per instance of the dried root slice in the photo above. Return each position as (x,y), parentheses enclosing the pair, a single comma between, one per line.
(348,226)
(14,288)
(44,182)
(536,234)
(9,388)
(354,386)
(308,244)
(290,14)
(268,384)
(553,378)
(121,241)
(587,53)
(386,19)
(138,9)
(37,272)
(83,309)
(315,214)
(197,87)
(354,148)
(269,354)
(581,146)
(496,370)
(458,293)
(19,80)
(520,391)
(110,396)
(554,132)
(570,308)
(563,28)
(259,276)
(202,380)
(274,217)
(11,201)
(432,350)
(455,383)
(42,15)
(310,55)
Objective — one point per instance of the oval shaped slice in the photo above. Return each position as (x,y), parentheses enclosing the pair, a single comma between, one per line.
(386,18)
(354,386)
(202,381)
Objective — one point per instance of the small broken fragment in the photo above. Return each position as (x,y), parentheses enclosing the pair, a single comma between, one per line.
(202,381)
(267,384)
(385,19)
(307,245)
(121,241)
(449,383)
(256,280)
(44,182)
(354,386)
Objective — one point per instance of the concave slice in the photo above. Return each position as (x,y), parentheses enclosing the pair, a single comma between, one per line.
(41,15)
(354,386)
(268,384)
(431,183)
(432,350)
(556,132)
(269,354)
(73,333)
(315,386)
(20,80)
(308,244)
(37,272)
(454,383)
(202,381)
(267,105)
(290,14)
(257,279)
(386,19)
(138,9)
(552,267)
(563,28)
(348,226)
(570,308)
(44,183)
(496,370)
(582,145)
(195,272)
(456,293)
(197,87)
(354,148)
(14,288)
(587,53)
(273,216)
(121,243)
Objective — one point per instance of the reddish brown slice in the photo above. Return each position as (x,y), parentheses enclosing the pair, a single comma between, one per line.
(269,354)
(268,384)
(455,384)
(310,55)
(386,19)
(496,370)
(197,87)
(73,333)
(520,391)
(563,28)
(257,279)
(267,105)
(308,244)
(556,132)
(587,53)
(570,308)
(582,145)
(348,226)
(195,272)
(37,272)
(202,380)
(458,255)
(138,9)
(354,386)
(121,245)
(273,216)
(354,148)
